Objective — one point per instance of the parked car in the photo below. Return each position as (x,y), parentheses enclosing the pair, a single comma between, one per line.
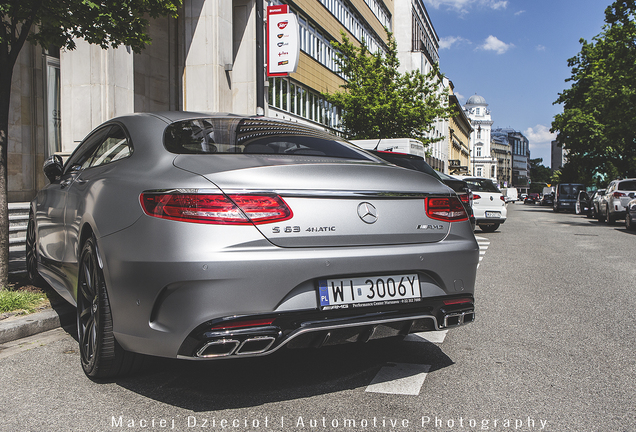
(489,205)
(565,196)
(630,216)
(418,163)
(202,236)
(547,199)
(613,205)
(582,205)
(594,202)
(532,198)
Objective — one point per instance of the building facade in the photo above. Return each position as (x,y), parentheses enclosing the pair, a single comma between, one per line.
(557,156)
(208,59)
(482,163)
(519,147)
(502,152)
(418,47)
(459,132)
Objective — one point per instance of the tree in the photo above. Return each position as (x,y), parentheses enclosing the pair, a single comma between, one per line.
(539,175)
(598,123)
(379,102)
(107,23)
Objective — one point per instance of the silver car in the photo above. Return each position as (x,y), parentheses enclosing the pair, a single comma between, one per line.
(203,236)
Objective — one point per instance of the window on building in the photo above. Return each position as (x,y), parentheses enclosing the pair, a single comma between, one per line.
(477,151)
(52,104)
(477,111)
(479,171)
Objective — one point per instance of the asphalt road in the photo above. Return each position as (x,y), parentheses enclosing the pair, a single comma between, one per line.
(552,349)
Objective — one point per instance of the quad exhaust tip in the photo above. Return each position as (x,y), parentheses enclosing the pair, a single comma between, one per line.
(459,318)
(228,347)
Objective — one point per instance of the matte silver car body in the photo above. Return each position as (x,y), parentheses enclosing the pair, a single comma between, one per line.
(170,283)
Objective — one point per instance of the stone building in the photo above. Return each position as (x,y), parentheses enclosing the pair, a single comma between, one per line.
(482,163)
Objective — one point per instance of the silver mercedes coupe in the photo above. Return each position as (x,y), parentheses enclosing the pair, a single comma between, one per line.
(204,236)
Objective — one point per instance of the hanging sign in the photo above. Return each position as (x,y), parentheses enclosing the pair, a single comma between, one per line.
(283,48)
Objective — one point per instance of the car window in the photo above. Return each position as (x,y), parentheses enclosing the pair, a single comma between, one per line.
(85,150)
(481,185)
(255,136)
(116,146)
(627,185)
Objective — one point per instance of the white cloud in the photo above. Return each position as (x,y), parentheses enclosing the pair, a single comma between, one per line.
(520,12)
(493,44)
(463,6)
(448,41)
(540,48)
(539,137)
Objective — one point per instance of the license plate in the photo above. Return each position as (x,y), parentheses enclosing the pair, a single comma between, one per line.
(347,293)
(493,214)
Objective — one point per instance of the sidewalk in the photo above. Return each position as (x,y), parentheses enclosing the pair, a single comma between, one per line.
(18,327)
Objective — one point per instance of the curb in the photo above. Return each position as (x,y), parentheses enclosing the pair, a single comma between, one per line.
(17,328)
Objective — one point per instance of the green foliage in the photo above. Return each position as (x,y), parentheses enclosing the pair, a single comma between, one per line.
(107,23)
(11,301)
(379,102)
(598,123)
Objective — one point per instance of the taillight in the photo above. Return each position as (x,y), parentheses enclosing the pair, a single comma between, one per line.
(243,324)
(501,197)
(447,209)
(619,194)
(215,208)
(476,197)
(464,198)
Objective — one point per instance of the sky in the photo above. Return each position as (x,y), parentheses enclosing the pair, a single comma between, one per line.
(514,53)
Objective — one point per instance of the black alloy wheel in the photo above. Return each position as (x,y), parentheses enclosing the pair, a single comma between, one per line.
(32,253)
(101,355)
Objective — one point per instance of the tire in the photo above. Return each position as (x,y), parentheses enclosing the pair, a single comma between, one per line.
(599,216)
(101,355)
(489,228)
(32,254)
(610,218)
(629,224)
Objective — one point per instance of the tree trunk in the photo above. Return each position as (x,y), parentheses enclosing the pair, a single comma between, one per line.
(6,73)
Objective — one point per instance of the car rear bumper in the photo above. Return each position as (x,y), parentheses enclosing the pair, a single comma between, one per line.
(311,329)
(162,296)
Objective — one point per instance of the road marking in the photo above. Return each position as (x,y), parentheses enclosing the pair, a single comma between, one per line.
(432,336)
(483,246)
(399,378)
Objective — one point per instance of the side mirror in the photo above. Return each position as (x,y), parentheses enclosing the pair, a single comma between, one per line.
(53,167)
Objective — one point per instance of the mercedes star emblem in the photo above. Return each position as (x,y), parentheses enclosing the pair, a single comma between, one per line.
(367,212)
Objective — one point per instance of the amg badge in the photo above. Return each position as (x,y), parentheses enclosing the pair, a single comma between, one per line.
(430,227)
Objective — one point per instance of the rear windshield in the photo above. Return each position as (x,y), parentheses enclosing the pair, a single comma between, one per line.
(627,185)
(255,136)
(570,190)
(416,163)
(481,185)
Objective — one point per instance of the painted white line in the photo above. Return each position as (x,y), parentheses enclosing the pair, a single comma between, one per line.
(399,378)
(483,246)
(432,336)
